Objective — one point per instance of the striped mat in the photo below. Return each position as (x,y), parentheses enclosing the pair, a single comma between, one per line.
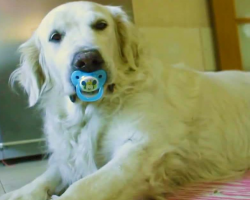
(234,190)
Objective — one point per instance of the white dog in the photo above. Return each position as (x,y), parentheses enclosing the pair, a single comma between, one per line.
(155,129)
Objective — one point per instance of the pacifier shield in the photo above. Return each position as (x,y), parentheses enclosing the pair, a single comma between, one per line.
(89,86)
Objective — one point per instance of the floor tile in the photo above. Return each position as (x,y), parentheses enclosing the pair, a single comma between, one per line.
(13,177)
(17,184)
(1,190)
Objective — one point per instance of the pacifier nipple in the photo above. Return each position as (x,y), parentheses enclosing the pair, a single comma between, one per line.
(89,84)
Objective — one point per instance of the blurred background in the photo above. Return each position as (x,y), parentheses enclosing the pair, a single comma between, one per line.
(207,35)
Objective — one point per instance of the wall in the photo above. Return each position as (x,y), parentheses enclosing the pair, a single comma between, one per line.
(242,11)
(178,31)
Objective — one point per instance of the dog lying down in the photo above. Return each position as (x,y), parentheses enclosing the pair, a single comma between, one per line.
(155,129)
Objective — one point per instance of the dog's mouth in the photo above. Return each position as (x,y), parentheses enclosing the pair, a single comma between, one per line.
(111,87)
(72,98)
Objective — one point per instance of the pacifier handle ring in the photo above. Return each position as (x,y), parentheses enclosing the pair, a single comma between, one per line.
(83,98)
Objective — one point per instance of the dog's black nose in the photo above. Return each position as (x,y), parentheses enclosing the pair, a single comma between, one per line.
(88,61)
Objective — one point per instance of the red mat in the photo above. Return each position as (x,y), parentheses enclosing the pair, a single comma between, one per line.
(234,190)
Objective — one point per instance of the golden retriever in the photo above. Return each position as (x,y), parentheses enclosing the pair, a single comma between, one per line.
(156,128)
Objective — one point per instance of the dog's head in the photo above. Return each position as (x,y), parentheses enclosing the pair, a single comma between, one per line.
(76,36)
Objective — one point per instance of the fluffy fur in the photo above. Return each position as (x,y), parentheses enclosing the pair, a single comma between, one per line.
(161,128)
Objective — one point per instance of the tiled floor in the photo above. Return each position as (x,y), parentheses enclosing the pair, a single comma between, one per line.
(14,176)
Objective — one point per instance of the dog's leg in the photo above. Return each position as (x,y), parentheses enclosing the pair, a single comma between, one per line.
(124,177)
(39,189)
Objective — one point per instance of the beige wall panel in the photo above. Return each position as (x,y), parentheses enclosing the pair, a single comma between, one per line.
(208,49)
(184,13)
(178,30)
(175,45)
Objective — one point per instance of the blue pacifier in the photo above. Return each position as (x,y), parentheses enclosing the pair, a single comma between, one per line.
(89,86)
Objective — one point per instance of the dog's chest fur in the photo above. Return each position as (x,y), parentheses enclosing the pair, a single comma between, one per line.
(74,141)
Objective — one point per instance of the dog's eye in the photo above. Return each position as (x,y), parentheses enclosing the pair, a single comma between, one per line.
(100,25)
(55,37)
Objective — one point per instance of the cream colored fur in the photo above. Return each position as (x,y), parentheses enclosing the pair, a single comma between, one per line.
(161,128)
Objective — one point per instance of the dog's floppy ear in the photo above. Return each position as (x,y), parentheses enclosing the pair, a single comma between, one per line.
(127,36)
(30,74)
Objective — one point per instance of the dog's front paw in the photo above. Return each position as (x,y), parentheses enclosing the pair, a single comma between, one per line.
(26,194)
